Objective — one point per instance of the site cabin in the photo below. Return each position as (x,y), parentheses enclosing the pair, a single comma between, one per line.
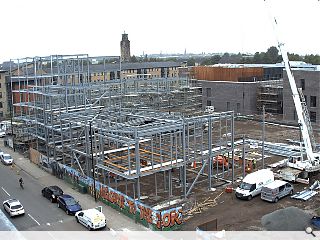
(275,190)
(252,184)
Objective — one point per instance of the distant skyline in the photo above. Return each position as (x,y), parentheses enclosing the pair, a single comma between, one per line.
(42,28)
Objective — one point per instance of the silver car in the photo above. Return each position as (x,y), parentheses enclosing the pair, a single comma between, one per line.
(6,159)
(13,207)
(275,190)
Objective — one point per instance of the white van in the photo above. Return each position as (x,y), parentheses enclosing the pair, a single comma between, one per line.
(252,183)
(91,218)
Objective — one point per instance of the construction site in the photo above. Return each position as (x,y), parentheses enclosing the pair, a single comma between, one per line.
(146,146)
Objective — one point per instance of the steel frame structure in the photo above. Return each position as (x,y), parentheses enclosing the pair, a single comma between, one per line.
(140,127)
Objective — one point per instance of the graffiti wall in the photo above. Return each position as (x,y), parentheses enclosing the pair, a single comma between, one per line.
(156,220)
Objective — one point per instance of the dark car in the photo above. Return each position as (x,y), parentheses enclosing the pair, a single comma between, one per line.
(52,193)
(315,221)
(68,204)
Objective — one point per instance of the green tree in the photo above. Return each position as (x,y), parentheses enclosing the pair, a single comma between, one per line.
(294,57)
(191,62)
(133,59)
(313,59)
(272,55)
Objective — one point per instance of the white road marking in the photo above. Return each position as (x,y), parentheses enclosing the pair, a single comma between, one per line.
(5,191)
(33,219)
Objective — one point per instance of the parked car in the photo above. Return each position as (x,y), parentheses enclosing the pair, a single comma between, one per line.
(315,222)
(275,190)
(68,204)
(6,159)
(13,207)
(2,134)
(252,184)
(52,193)
(91,219)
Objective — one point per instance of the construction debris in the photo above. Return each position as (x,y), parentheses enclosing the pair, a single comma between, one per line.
(199,207)
(308,193)
(304,195)
(315,185)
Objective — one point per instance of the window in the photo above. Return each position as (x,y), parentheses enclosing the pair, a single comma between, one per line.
(306,99)
(281,188)
(0,94)
(253,187)
(238,107)
(313,116)
(228,106)
(302,84)
(209,92)
(208,103)
(1,105)
(313,101)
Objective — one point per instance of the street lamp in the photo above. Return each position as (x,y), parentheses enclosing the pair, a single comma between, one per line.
(92,164)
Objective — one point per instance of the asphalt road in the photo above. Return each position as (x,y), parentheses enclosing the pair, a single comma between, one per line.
(40,214)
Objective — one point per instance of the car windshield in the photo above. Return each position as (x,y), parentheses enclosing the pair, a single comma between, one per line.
(245,186)
(6,157)
(70,201)
(57,192)
(16,207)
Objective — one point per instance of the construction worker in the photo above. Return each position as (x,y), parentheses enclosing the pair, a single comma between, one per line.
(254,163)
(248,169)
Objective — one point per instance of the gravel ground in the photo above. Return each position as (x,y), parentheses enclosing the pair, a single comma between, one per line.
(287,219)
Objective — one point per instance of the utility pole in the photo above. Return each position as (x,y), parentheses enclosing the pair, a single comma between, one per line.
(92,163)
(263,134)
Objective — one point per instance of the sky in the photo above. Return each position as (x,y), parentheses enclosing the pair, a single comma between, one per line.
(42,27)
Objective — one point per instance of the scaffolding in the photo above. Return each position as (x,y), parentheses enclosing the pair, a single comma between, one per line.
(129,132)
(270,94)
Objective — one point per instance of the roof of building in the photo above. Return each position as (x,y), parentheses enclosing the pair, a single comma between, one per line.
(293,64)
(128,66)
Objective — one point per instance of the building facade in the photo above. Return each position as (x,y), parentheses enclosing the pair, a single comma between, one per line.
(309,81)
(241,97)
(4,106)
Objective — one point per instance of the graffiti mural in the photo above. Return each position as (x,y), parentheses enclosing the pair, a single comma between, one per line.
(157,220)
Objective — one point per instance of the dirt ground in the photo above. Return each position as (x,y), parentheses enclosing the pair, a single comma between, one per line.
(235,214)
(231,213)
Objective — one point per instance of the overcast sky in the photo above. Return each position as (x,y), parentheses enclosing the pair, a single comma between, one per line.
(42,27)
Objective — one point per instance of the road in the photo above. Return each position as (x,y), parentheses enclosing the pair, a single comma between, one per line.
(40,214)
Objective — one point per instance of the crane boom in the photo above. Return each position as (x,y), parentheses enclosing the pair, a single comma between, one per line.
(312,162)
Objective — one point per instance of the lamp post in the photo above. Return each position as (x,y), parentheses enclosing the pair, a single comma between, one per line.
(92,164)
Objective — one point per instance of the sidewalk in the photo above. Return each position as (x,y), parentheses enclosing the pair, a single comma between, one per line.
(115,220)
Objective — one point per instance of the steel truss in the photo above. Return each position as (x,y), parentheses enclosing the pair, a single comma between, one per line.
(140,127)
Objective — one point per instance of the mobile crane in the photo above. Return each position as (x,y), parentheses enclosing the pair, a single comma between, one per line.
(312,161)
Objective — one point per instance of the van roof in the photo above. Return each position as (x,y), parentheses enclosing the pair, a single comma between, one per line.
(275,184)
(92,212)
(262,174)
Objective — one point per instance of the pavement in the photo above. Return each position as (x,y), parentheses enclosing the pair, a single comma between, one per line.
(115,220)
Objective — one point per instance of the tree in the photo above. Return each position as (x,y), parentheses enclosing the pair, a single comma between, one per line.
(191,62)
(272,55)
(133,59)
(294,57)
(313,59)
